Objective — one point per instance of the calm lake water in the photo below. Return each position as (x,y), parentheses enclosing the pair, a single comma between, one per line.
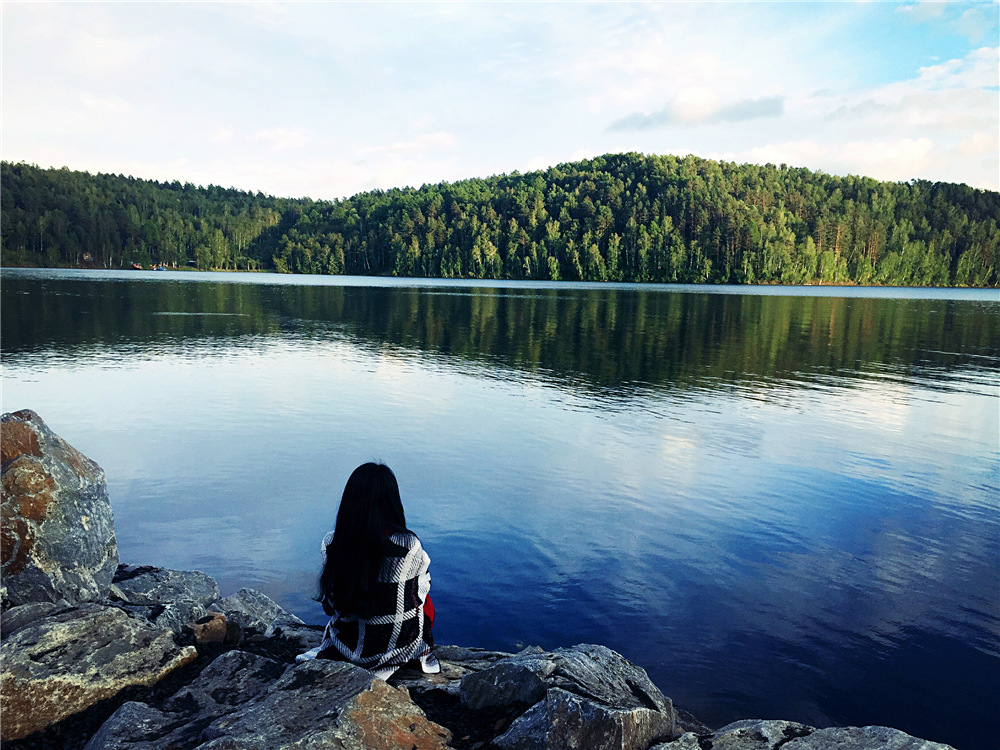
(782,503)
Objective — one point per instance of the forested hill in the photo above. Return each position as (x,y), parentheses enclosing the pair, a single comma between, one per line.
(624,217)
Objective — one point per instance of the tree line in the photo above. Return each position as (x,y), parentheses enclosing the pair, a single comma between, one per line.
(618,217)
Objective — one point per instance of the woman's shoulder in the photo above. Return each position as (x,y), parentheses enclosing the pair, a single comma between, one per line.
(404,538)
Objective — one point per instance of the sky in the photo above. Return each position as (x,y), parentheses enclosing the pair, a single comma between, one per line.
(326,100)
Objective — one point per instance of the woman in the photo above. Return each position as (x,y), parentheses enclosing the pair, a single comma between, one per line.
(375,583)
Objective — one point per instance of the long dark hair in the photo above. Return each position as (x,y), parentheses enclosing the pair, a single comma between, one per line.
(370,510)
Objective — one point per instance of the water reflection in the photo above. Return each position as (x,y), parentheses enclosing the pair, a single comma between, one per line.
(594,338)
(779,506)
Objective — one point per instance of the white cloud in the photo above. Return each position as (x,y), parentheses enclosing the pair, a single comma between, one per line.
(888,160)
(326,99)
(699,106)
(222,135)
(102,53)
(282,139)
(880,158)
(980,143)
(438,141)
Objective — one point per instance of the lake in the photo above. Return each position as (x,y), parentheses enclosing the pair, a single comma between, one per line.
(780,502)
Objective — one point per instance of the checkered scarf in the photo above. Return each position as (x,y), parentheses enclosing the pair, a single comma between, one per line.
(395,634)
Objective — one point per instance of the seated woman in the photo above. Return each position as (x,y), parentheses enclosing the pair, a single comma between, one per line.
(375,583)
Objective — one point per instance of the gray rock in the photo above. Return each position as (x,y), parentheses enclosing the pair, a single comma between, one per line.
(252,610)
(171,616)
(471,656)
(760,734)
(61,664)
(687,741)
(230,680)
(329,704)
(456,662)
(145,584)
(519,680)
(563,720)
(133,725)
(584,697)
(16,618)
(246,701)
(862,738)
(57,537)
(293,635)
(166,598)
(607,677)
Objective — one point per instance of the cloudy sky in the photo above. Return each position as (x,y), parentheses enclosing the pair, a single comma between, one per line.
(329,99)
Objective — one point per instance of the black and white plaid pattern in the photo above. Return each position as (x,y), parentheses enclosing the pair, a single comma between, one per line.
(394,635)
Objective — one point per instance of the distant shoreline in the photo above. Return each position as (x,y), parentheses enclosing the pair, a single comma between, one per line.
(501,282)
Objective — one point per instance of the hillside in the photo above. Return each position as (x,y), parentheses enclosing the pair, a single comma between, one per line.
(627,217)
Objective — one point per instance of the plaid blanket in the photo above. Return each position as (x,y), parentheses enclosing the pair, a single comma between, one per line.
(395,635)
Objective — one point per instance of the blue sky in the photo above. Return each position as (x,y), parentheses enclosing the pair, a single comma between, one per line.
(329,99)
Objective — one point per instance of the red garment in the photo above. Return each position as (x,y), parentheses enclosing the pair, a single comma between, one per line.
(429,609)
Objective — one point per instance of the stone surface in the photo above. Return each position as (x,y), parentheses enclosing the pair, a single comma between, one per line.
(57,539)
(210,629)
(166,598)
(584,697)
(247,701)
(252,610)
(511,682)
(145,584)
(61,664)
(563,720)
(293,636)
(16,618)
(862,738)
(760,734)
(607,677)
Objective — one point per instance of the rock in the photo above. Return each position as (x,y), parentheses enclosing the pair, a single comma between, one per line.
(247,701)
(607,677)
(687,741)
(140,723)
(292,636)
(57,540)
(759,734)
(563,720)
(210,629)
(166,598)
(144,584)
(231,680)
(61,664)
(252,610)
(517,681)
(330,704)
(16,618)
(588,697)
(862,738)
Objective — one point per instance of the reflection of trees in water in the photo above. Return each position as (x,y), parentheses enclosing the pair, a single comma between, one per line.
(602,337)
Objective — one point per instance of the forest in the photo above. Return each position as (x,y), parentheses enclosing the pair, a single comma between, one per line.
(618,217)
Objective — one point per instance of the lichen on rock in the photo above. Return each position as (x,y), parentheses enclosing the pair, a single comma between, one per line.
(57,537)
(62,663)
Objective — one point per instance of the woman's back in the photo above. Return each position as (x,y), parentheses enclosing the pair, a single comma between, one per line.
(375,582)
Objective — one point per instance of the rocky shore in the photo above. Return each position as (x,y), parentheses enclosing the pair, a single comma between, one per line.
(106,656)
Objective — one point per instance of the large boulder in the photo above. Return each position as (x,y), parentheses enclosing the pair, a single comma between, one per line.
(247,701)
(594,698)
(761,734)
(64,662)
(57,541)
